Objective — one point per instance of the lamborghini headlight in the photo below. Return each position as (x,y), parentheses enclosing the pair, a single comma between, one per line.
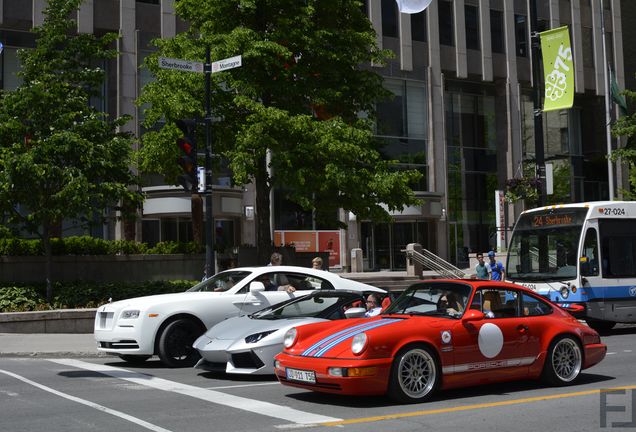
(253,338)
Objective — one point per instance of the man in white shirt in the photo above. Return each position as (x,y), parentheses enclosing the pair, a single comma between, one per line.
(373,305)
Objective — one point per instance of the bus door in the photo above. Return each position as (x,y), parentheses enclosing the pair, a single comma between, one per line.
(590,270)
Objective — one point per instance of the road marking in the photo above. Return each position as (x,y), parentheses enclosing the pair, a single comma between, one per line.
(98,407)
(472,407)
(610,353)
(242,385)
(237,402)
(627,350)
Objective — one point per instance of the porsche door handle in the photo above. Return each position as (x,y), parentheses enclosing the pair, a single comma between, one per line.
(522,328)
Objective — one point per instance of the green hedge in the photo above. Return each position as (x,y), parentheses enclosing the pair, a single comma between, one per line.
(86,245)
(21,298)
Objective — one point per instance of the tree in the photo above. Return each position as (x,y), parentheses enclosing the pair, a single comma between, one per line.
(305,79)
(626,126)
(60,158)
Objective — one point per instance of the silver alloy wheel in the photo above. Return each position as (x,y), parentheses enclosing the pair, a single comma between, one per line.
(417,373)
(567,359)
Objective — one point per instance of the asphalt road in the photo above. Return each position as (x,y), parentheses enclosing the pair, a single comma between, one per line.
(106,394)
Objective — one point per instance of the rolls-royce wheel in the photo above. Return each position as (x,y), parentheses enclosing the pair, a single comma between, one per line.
(175,343)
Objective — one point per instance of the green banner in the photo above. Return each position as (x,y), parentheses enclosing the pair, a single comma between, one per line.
(558,68)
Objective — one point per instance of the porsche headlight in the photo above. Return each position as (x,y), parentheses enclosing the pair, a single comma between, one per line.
(253,338)
(359,343)
(130,314)
(290,337)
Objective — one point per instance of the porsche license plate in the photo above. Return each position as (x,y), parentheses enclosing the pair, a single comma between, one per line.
(301,375)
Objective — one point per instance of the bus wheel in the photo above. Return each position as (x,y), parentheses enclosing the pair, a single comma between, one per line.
(602,327)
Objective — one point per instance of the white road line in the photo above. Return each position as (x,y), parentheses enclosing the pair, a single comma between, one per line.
(627,350)
(98,407)
(610,353)
(237,402)
(242,385)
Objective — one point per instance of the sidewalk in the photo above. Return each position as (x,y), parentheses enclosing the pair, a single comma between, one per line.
(48,345)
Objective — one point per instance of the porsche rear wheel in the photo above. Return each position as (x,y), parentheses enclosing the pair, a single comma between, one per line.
(415,375)
(564,362)
(175,343)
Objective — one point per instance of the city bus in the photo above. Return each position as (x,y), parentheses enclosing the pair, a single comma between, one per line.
(581,256)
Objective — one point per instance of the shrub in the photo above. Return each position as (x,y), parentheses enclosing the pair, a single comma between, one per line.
(82,294)
(85,245)
(20,299)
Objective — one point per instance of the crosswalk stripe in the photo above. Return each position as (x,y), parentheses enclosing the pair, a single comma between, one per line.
(237,402)
(98,407)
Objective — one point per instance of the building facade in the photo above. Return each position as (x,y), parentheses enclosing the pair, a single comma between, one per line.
(462,115)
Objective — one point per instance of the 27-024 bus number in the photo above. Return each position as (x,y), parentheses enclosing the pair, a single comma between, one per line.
(612,211)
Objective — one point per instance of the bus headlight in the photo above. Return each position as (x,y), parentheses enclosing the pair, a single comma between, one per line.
(565,292)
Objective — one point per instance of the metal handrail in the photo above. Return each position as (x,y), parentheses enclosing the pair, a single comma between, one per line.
(428,259)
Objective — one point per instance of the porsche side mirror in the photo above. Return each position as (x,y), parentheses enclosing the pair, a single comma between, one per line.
(257,287)
(355,312)
(473,315)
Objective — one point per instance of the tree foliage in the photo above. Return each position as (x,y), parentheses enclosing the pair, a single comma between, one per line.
(60,158)
(305,78)
(626,126)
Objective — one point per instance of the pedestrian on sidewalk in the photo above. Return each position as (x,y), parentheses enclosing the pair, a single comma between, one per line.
(497,270)
(481,269)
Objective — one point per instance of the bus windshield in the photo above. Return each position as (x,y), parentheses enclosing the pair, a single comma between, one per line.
(544,246)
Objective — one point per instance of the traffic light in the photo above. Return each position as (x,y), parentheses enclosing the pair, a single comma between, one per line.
(188,155)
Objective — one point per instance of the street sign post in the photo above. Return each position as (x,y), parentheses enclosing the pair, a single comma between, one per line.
(205,178)
(182,65)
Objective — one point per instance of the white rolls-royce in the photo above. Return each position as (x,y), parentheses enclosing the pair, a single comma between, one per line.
(168,324)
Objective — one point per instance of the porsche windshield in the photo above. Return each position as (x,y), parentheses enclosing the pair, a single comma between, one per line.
(432,298)
(544,246)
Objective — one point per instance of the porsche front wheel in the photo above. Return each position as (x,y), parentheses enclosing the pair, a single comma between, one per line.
(415,375)
(564,362)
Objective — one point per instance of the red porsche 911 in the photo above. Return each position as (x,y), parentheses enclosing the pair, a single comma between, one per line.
(441,334)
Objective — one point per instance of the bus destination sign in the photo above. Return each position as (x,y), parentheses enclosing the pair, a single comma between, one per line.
(553,220)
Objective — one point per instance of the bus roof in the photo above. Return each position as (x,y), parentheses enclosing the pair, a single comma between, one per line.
(629,206)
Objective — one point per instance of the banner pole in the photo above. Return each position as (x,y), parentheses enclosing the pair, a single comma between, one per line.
(538,113)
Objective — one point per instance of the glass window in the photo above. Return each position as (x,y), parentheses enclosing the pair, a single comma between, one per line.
(471,14)
(618,248)
(587,37)
(533,306)
(446,23)
(418,27)
(389,18)
(589,261)
(521,35)
(406,114)
(497,31)
(496,303)
(10,68)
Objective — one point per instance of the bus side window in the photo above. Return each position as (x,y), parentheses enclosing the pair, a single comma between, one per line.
(589,262)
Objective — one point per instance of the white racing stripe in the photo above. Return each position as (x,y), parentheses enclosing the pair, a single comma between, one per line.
(237,402)
(98,407)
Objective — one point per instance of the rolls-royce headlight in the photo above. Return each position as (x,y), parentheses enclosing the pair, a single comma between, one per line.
(290,337)
(130,314)
(359,343)
(253,338)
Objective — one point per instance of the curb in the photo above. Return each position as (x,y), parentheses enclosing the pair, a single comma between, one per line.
(53,321)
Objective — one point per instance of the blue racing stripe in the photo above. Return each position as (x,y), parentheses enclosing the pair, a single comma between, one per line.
(333,340)
(335,335)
